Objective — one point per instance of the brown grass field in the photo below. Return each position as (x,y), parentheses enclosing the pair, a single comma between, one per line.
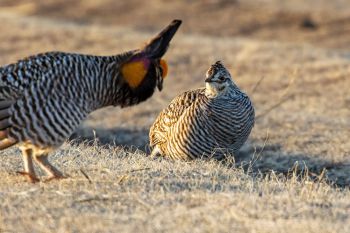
(293,175)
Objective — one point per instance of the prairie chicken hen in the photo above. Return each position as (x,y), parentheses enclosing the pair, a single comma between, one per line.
(44,98)
(206,122)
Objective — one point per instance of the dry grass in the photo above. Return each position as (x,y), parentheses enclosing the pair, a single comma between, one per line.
(293,174)
(128,192)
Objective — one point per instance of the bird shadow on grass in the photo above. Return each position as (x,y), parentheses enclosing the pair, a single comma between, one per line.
(272,158)
(125,137)
(253,158)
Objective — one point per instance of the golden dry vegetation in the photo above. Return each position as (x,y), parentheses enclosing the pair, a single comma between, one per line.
(293,175)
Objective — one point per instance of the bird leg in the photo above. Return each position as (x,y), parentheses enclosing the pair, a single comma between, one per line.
(43,162)
(28,166)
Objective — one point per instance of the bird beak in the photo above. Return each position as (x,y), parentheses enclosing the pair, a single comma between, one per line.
(157,47)
(208,80)
(160,85)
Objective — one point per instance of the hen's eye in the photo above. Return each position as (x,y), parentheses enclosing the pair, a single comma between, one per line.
(221,78)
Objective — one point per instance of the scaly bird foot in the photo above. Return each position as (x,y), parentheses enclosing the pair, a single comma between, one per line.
(56,177)
(31,177)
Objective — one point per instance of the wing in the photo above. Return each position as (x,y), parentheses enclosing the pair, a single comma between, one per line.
(17,77)
(170,115)
(46,114)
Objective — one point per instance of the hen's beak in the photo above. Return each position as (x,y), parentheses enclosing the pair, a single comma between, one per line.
(209,80)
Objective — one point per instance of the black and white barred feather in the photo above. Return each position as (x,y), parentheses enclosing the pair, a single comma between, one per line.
(45,97)
(198,124)
(54,92)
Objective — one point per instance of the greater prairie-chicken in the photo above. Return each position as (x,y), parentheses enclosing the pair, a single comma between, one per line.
(44,98)
(214,121)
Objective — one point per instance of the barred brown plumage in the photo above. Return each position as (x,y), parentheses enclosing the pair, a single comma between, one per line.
(214,121)
(44,98)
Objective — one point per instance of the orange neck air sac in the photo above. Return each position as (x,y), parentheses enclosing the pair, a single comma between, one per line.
(135,71)
(164,66)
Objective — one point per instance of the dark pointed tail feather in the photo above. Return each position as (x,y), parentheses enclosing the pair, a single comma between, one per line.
(6,143)
(157,47)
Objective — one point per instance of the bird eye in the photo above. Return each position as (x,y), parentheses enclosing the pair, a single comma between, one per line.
(221,78)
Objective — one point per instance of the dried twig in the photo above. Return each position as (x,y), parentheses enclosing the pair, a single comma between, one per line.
(276,105)
(86,176)
(262,149)
(138,169)
(122,179)
(284,97)
(89,199)
(255,87)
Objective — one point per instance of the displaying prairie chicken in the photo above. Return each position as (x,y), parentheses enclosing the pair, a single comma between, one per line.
(44,98)
(208,122)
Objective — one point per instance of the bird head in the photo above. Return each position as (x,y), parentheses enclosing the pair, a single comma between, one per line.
(218,80)
(146,69)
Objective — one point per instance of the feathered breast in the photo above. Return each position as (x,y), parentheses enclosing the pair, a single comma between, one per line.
(194,125)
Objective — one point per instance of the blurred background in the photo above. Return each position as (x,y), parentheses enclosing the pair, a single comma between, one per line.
(319,22)
(291,57)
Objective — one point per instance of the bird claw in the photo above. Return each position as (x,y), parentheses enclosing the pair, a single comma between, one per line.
(55,177)
(31,178)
